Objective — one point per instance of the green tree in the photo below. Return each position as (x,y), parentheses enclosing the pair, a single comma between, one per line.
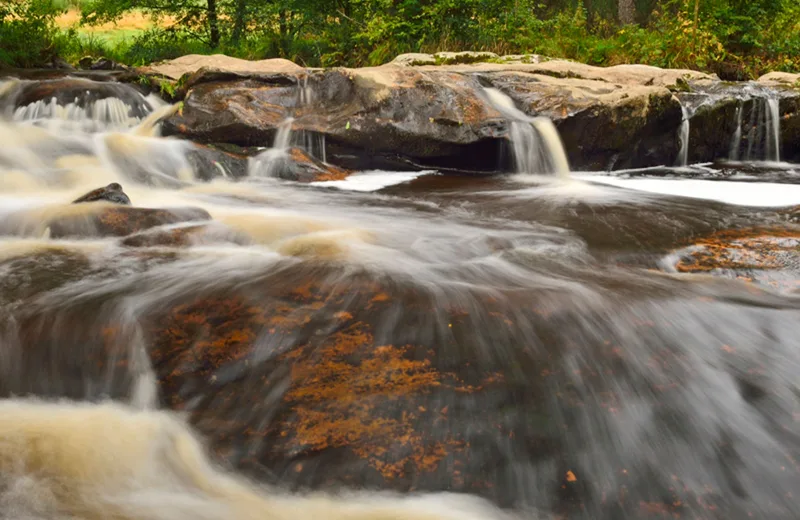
(28,33)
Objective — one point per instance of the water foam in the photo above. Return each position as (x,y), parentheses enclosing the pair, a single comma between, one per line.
(372,180)
(754,194)
(69,461)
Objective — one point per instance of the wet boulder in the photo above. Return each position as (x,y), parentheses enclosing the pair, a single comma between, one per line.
(112,193)
(98,219)
(244,112)
(419,110)
(734,121)
(433,117)
(305,168)
(210,162)
(439,115)
(84,93)
(603,125)
(186,235)
(296,165)
(124,220)
(766,256)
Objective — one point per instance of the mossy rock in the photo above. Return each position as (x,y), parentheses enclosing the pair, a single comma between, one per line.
(463,58)
(681,85)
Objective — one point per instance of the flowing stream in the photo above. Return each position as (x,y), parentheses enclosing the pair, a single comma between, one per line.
(395,345)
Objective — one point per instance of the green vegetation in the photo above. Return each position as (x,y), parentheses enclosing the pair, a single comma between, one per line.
(735,38)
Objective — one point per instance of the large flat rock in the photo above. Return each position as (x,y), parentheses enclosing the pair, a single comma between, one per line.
(191,63)
(626,116)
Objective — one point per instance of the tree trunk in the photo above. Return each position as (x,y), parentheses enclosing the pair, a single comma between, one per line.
(627,12)
(694,26)
(238,23)
(213,24)
(283,30)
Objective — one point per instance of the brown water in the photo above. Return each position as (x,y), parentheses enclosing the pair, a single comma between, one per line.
(405,350)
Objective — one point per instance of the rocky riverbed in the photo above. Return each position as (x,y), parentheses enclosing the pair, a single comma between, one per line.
(214,308)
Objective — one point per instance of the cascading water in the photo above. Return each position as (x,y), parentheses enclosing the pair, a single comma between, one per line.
(449,335)
(97,138)
(91,108)
(761,132)
(272,161)
(736,140)
(683,137)
(537,148)
(313,142)
(773,129)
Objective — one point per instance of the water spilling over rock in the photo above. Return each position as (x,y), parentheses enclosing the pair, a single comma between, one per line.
(683,137)
(738,123)
(761,140)
(535,142)
(74,103)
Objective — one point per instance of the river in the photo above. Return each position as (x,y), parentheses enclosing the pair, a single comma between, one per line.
(394,345)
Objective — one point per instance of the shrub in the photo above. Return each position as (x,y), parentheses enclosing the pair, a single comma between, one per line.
(28,33)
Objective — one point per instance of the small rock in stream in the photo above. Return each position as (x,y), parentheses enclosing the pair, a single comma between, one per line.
(111,193)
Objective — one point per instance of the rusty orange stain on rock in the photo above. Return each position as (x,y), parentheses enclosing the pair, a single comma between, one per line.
(380,297)
(338,402)
(749,248)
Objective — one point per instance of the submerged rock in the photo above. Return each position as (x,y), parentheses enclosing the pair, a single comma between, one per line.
(187,235)
(209,162)
(120,220)
(112,193)
(767,256)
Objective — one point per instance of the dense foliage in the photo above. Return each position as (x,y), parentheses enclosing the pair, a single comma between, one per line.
(736,38)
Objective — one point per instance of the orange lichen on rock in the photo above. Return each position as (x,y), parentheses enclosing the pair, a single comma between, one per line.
(340,395)
(750,248)
(207,334)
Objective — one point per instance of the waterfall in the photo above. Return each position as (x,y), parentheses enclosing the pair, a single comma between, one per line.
(535,142)
(283,137)
(773,130)
(272,161)
(762,131)
(75,104)
(683,153)
(94,133)
(736,141)
(312,142)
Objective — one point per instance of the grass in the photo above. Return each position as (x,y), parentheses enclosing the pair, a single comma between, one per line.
(111,34)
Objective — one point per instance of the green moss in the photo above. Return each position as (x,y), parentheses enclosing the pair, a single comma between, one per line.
(167,88)
(464,58)
(681,85)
